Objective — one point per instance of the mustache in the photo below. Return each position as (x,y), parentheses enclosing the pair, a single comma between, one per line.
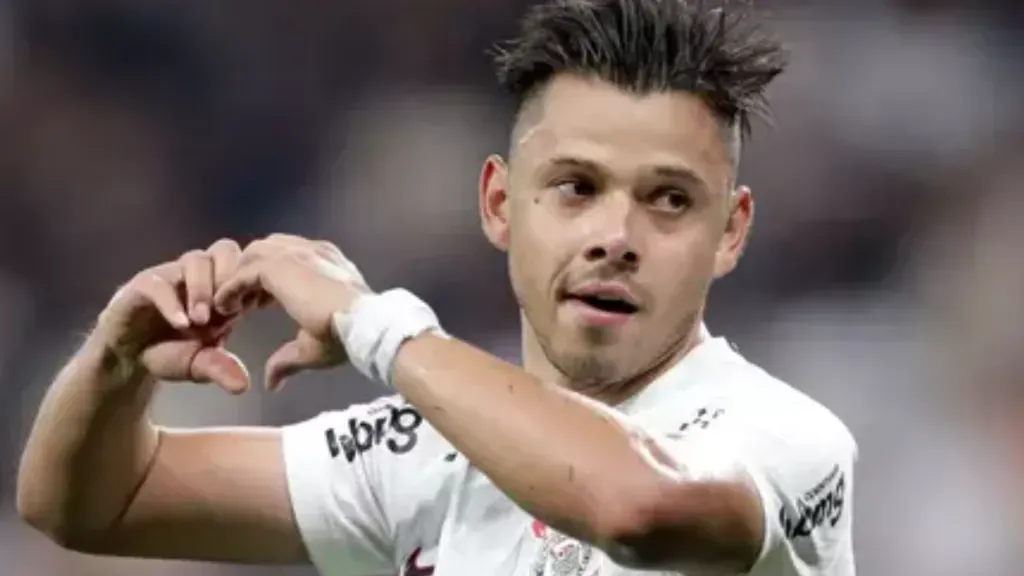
(610,272)
(604,274)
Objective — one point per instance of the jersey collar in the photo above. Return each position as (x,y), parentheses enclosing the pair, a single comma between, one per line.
(696,367)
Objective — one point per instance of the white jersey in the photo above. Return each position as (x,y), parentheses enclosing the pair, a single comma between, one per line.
(378,492)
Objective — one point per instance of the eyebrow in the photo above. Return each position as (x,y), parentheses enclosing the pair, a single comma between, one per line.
(665,171)
(578,163)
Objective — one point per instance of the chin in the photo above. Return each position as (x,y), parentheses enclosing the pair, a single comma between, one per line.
(599,340)
(589,366)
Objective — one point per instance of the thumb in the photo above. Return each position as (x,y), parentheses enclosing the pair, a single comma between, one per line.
(302,353)
(217,365)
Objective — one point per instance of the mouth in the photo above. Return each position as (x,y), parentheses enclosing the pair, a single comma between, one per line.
(605,299)
(608,304)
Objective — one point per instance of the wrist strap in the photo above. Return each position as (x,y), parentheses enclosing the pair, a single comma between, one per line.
(377,325)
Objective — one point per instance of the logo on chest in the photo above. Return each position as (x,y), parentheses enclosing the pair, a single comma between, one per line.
(415,567)
(560,555)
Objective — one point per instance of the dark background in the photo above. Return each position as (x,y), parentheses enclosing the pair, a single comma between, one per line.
(885,275)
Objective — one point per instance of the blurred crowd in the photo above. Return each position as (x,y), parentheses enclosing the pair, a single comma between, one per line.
(884,276)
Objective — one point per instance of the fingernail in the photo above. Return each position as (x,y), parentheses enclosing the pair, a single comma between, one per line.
(201,313)
(181,320)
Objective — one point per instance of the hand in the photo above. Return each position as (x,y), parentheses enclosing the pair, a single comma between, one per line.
(312,281)
(163,320)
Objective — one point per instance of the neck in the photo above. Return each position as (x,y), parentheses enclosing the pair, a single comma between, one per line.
(536,362)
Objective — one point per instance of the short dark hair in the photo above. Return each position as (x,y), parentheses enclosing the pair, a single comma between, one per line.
(718,53)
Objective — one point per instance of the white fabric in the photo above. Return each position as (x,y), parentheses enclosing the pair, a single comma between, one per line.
(377,491)
(377,326)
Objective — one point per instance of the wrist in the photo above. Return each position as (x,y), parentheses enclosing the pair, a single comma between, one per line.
(117,367)
(376,326)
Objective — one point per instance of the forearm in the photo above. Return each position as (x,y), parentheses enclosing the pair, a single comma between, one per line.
(564,459)
(89,447)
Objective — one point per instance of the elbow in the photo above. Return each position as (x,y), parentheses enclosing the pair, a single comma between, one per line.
(623,519)
(38,516)
(622,516)
(42,513)
(32,507)
(34,512)
(60,534)
(667,525)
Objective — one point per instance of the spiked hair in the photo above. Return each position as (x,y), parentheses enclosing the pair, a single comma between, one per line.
(644,46)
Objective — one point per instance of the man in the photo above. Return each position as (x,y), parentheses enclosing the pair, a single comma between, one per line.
(631,440)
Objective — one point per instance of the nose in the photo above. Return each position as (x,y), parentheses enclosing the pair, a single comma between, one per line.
(615,253)
(612,237)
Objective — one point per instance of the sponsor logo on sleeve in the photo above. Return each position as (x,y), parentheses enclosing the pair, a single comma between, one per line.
(822,505)
(394,429)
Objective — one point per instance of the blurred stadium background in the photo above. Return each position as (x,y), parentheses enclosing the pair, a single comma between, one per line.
(885,277)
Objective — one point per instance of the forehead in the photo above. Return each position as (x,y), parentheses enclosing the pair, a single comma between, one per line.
(599,122)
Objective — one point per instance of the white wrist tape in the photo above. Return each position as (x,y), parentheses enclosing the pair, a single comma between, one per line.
(377,325)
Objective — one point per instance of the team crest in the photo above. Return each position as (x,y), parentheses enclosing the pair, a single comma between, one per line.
(560,555)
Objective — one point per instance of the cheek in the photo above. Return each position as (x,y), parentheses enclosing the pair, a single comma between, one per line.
(525,262)
(684,275)
(534,263)
(518,277)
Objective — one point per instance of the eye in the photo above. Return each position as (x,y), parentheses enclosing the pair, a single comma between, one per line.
(575,188)
(671,200)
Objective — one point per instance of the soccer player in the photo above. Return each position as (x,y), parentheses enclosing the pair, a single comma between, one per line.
(631,440)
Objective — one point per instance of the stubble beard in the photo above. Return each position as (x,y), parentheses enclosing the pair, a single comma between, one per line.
(591,370)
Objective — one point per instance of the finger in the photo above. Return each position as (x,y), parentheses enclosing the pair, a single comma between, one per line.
(341,266)
(257,300)
(198,269)
(328,249)
(287,240)
(259,250)
(226,255)
(284,363)
(169,271)
(162,295)
(244,286)
(170,359)
(290,359)
(221,367)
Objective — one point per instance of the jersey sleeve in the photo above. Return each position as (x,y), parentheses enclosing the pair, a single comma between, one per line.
(805,482)
(801,466)
(337,467)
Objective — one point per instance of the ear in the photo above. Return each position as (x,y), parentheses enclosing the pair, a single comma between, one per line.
(737,230)
(494,202)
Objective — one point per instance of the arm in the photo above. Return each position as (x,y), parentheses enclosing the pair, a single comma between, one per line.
(98,477)
(575,465)
(570,462)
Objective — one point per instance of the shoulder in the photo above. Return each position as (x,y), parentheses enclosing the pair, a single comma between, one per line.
(728,415)
(785,418)
(801,457)
(722,391)
(716,382)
